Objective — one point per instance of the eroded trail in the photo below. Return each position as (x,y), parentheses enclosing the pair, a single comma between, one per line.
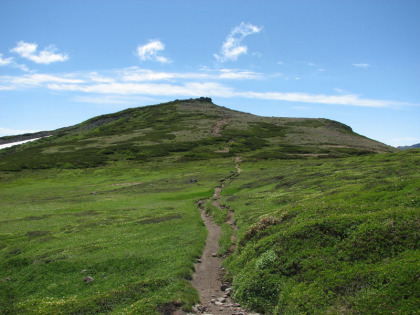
(208,270)
(214,295)
(217,127)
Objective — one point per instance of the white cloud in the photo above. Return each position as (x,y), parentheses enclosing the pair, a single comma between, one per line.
(5,61)
(239,74)
(95,77)
(38,79)
(308,63)
(112,99)
(347,99)
(122,76)
(361,65)
(341,91)
(150,51)
(135,74)
(232,48)
(219,90)
(46,56)
(155,89)
(11,63)
(138,82)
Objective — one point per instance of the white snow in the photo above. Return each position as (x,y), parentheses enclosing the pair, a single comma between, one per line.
(8,145)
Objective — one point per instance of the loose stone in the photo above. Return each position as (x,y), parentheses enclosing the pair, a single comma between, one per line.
(88,280)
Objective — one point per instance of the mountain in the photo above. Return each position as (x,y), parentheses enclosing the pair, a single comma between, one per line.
(134,212)
(187,130)
(406,147)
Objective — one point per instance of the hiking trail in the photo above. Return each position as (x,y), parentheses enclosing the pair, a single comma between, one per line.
(207,279)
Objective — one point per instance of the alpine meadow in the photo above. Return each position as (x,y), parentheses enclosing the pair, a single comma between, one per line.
(106,216)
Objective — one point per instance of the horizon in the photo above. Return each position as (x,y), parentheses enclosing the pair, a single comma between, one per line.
(354,62)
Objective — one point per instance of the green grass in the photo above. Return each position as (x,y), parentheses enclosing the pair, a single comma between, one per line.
(326,225)
(134,228)
(327,236)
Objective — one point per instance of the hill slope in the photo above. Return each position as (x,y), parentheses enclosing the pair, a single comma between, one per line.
(195,126)
(102,217)
(414,146)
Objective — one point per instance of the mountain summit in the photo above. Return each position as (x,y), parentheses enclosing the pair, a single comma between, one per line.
(186,130)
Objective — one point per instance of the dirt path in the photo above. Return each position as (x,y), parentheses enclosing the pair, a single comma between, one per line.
(238,160)
(217,127)
(214,295)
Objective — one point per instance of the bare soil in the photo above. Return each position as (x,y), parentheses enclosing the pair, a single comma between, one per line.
(214,294)
(217,127)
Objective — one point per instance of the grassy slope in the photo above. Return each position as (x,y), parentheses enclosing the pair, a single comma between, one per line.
(328,236)
(147,133)
(137,236)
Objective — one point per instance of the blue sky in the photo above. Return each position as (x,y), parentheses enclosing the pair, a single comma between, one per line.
(357,62)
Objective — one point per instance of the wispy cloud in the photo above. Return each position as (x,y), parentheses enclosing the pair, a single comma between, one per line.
(122,76)
(139,82)
(239,74)
(37,79)
(46,56)
(5,61)
(191,89)
(150,51)
(347,99)
(361,65)
(232,48)
(10,62)
(112,99)
(95,77)
(308,63)
(220,90)
(136,74)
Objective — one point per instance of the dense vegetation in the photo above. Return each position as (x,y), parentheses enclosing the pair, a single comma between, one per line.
(326,225)
(328,236)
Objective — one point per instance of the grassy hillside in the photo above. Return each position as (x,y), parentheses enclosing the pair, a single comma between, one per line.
(326,225)
(328,236)
(183,129)
(134,228)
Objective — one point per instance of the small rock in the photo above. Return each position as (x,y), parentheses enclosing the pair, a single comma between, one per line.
(213,300)
(224,286)
(88,280)
(83,271)
(217,303)
(201,308)
(214,255)
(198,260)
